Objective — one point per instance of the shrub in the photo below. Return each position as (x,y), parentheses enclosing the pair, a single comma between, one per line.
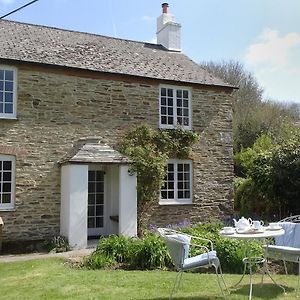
(150,253)
(57,244)
(99,261)
(116,247)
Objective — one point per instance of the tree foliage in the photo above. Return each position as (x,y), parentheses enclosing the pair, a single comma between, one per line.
(252,116)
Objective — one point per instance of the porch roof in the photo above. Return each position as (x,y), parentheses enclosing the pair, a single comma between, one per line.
(96,153)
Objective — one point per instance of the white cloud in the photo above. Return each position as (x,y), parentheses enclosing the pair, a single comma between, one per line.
(275,61)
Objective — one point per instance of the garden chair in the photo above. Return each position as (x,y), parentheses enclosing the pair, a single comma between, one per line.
(179,245)
(287,246)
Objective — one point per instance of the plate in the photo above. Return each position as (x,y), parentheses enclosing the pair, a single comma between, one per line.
(228,232)
(274,228)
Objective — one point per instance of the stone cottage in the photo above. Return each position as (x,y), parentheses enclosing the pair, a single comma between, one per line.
(67,98)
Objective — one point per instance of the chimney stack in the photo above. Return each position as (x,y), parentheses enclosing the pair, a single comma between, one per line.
(165,7)
(168,31)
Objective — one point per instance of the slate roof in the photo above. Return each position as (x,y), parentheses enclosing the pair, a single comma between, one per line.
(47,45)
(97,153)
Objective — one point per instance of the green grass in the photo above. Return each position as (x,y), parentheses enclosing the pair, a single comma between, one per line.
(51,279)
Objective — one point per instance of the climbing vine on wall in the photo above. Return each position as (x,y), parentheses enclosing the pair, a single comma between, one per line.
(149,150)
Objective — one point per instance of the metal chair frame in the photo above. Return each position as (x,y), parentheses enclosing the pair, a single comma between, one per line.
(166,234)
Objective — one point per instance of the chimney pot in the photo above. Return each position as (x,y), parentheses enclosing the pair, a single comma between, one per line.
(165,7)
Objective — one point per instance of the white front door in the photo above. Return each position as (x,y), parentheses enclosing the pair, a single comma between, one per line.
(96,203)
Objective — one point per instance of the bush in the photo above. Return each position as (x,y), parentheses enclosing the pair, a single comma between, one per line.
(57,244)
(134,253)
(116,247)
(150,252)
(99,261)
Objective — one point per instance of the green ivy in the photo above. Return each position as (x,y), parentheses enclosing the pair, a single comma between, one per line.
(149,150)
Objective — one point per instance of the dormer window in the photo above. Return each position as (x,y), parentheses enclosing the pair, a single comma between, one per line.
(175,107)
(8,92)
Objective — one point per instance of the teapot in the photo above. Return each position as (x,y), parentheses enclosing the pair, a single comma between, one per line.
(242,223)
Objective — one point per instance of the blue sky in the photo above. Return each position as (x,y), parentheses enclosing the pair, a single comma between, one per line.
(264,35)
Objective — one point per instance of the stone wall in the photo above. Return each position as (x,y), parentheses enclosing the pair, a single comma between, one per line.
(55,109)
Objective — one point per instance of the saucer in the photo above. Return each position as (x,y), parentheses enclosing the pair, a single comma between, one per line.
(274,228)
(228,232)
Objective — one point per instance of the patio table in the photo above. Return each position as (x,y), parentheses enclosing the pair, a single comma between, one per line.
(262,234)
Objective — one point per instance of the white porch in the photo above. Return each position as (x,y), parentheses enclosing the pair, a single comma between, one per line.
(98,198)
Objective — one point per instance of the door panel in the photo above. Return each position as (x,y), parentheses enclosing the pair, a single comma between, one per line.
(96,202)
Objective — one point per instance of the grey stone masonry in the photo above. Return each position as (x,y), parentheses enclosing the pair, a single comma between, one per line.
(55,109)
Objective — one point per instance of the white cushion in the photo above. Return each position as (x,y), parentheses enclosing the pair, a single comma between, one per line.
(200,260)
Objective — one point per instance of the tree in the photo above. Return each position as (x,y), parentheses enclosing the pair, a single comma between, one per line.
(252,116)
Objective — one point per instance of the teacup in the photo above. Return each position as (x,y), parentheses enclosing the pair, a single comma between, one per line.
(228,230)
(273,225)
(257,224)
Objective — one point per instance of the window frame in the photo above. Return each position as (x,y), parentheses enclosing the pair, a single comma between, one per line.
(176,200)
(11,205)
(12,115)
(175,116)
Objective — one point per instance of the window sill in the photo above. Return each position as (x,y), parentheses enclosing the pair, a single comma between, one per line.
(9,118)
(7,209)
(165,203)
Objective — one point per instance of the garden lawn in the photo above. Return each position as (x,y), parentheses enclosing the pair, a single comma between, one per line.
(52,279)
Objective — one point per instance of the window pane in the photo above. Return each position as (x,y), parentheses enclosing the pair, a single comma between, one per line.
(171,185)
(9,86)
(180,194)
(7,165)
(6,198)
(163,101)
(8,97)
(99,198)
(170,195)
(187,167)
(91,199)
(170,167)
(180,167)
(91,187)
(6,176)
(179,93)
(186,176)
(1,107)
(92,176)
(187,194)
(163,120)
(99,210)
(186,121)
(185,103)
(170,111)
(9,75)
(1,74)
(170,102)
(179,102)
(180,185)
(1,86)
(179,111)
(170,120)
(186,112)
(91,223)
(185,94)
(163,92)
(164,194)
(163,110)
(6,187)
(170,93)
(8,108)
(99,187)
(91,210)
(99,222)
